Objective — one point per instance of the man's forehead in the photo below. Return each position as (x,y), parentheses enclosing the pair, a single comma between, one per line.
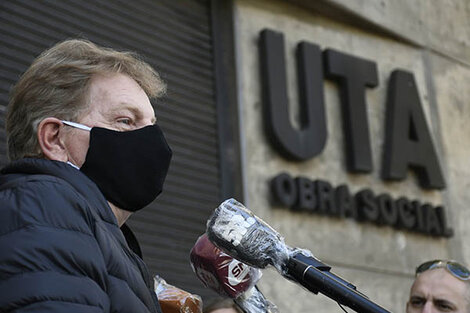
(438,283)
(111,94)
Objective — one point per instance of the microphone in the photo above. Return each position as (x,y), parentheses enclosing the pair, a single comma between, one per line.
(229,277)
(234,229)
(246,237)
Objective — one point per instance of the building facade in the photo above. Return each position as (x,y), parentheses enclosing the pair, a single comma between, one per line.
(343,124)
(379,41)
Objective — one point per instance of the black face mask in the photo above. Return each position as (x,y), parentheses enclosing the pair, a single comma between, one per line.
(129,167)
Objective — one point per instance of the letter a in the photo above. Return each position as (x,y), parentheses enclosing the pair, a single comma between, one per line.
(408,141)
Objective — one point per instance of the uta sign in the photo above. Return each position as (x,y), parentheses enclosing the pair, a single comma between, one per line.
(407,144)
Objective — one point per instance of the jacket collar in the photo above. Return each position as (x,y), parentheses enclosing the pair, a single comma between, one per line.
(79,181)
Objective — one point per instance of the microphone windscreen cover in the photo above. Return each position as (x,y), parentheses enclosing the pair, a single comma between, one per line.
(246,237)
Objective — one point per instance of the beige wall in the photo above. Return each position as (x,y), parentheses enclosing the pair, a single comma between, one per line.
(439,25)
(378,260)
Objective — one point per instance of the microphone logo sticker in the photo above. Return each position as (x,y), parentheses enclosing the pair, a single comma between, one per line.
(236,228)
(237,272)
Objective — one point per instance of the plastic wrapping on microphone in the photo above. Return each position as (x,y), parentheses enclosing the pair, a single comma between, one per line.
(221,272)
(245,236)
(176,300)
(253,301)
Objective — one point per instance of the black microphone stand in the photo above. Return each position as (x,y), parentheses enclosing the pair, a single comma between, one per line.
(315,276)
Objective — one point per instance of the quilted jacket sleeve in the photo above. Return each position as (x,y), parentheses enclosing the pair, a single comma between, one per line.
(49,258)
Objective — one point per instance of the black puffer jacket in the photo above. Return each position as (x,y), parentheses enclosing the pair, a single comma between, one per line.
(61,249)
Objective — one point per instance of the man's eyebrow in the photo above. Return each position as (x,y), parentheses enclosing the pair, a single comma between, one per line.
(132,109)
(417,297)
(126,107)
(445,302)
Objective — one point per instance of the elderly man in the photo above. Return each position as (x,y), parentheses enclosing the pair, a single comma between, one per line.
(85,153)
(440,286)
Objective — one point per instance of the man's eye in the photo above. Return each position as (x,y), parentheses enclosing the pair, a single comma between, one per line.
(126,121)
(444,306)
(417,302)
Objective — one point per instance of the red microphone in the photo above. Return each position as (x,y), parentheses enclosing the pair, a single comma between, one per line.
(219,271)
(229,277)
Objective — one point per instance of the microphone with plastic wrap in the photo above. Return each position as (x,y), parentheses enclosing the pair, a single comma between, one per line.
(246,237)
(229,277)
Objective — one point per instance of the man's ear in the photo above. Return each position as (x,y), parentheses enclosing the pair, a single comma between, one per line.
(50,141)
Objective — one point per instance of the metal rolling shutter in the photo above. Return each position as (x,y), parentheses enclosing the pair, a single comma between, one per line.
(176,38)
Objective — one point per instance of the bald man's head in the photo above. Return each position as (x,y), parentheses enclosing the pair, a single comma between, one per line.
(437,290)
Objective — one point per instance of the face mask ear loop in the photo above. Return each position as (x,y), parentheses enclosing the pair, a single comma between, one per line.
(73,165)
(76,125)
(79,126)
